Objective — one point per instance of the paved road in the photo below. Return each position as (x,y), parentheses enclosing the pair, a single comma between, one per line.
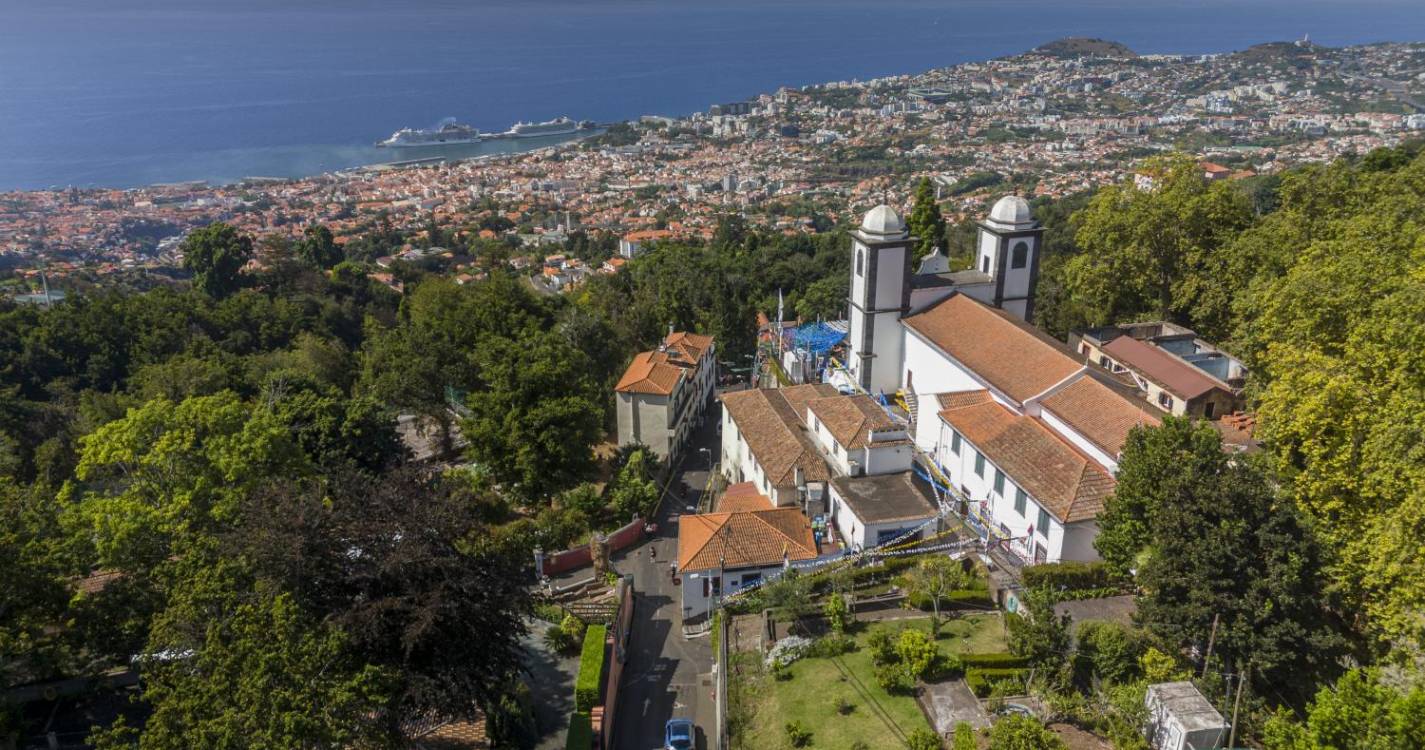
(666,675)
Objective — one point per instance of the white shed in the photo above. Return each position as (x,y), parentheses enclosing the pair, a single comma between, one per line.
(1180,718)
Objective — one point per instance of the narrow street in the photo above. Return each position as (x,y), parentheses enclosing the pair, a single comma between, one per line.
(667,675)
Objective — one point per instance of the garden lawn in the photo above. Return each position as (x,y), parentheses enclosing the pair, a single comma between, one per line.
(878,719)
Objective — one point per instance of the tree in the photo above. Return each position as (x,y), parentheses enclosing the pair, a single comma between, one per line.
(917,653)
(789,595)
(534,423)
(1360,712)
(1160,252)
(36,593)
(1109,649)
(964,737)
(634,493)
(934,578)
(318,248)
(216,254)
(1155,461)
(926,223)
(406,565)
(232,662)
(1039,635)
(1018,732)
(836,612)
(824,299)
(1225,547)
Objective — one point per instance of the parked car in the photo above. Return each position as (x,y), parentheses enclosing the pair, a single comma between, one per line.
(678,735)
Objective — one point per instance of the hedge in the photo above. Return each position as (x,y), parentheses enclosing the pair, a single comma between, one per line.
(591,668)
(982,679)
(581,732)
(1070,576)
(962,596)
(993,661)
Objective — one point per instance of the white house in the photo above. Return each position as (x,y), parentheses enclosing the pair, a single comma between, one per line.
(722,553)
(663,394)
(1019,423)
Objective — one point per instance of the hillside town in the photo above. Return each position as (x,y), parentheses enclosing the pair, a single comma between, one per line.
(794,161)
(1064,401)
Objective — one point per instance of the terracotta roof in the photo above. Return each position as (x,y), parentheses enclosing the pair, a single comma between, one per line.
(770,422)
(1011,355)
(742,496)
(744,539)
(850,419)
(1065,482)
(657,372)
(963,398)
(1172,374)
(689,347)
(1101,411)
(650,372)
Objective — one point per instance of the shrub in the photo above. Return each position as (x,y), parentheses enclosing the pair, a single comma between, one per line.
(581,732)
(945,665)
(844,706)
(982,680)
(788,650)
(975,597)
(923,739)
(892,679)
(860,745)
(1070,576)
(550,613)
(1110,649)
(917,653)
(964,738)
(591,669)
(836,611)
(1000,660)
(832,645)
(797,734)
(555,639)
(573,628)
(883,649)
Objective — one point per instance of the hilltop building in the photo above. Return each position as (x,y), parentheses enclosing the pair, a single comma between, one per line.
(663,394)
(1173,368)
(1025,428)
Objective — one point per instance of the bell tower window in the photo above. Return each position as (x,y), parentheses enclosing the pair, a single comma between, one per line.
(1020,257)
(860,261)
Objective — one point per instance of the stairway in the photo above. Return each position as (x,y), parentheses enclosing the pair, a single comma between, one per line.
(912,406)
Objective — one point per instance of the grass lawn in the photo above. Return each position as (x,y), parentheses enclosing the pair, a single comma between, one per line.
(878,719)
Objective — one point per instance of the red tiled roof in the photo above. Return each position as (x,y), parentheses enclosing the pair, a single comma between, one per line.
(742,496)
(1011,355)
(657,372)
(770,421)
(1065,482)
(744,539)
(1100,411)
(1172,374)
(851,419)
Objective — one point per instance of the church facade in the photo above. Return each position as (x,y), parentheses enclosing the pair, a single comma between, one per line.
(1026,430)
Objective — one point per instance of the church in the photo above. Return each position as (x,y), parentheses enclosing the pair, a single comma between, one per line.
(1028,432)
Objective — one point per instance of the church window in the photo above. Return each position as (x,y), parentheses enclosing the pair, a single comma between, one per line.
(1044,523)
(1019,501)
(980,465)
(999,483)
(860,259)
(955,443)
(1209,410)
(985,264)
(1020,259)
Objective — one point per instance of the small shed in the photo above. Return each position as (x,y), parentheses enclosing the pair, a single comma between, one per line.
(1180,718)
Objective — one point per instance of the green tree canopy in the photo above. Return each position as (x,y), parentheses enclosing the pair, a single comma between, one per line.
(216,254)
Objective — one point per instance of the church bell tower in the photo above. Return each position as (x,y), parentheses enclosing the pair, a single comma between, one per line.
(880,296)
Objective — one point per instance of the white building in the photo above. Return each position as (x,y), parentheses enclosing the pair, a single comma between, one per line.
(1180,718)
(838,457)
(1020,425)
(663,394)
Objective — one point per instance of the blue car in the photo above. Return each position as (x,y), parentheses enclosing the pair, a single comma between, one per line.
(678,735)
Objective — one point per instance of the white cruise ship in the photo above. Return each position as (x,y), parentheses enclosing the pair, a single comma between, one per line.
(448,133)
(557,126)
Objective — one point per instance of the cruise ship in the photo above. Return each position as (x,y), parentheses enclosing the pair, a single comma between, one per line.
(557,126)
(448,133)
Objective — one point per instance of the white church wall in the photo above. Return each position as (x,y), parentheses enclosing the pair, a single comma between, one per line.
(1016,280)
(985,259)
(890,276)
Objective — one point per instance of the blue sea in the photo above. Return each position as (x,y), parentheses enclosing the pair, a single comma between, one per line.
(132,92)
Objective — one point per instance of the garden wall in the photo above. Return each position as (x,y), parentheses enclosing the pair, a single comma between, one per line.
(573,559)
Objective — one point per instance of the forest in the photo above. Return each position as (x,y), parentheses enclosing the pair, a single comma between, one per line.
(208,482)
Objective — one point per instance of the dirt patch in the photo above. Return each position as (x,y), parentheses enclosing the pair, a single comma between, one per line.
(1077,739)
(744,633)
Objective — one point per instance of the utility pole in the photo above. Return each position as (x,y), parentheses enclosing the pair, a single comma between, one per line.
(1237,703)
(1210,640)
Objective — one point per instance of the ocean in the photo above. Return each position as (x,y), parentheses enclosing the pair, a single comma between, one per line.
(132,92)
